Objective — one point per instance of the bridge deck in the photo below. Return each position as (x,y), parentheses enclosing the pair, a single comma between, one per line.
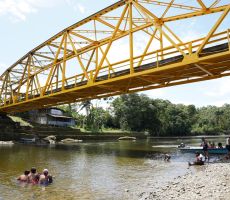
(215,62)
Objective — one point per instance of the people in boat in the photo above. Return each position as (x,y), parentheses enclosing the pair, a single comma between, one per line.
(167,157)
(204,144)
(220,146)
(45,178)
(199,160)
(24,177)
(212,145)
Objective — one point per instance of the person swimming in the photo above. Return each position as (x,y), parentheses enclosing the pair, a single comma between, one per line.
(33,176)
(45,178)
(24,177)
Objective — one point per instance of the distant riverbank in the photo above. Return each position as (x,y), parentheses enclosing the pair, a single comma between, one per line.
(210,181)
(14,128)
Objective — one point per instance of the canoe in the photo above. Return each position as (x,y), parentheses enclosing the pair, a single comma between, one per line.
(200,150)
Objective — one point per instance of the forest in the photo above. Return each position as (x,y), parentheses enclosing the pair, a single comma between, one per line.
(157,117)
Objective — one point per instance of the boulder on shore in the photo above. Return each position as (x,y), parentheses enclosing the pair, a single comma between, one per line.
(51,139)
(127,138)
(69,141)
(6,142)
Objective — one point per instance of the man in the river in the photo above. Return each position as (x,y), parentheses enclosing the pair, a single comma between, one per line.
(33,176)
(204,144)
(24,177)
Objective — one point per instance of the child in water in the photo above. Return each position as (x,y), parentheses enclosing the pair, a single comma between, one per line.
(199,160)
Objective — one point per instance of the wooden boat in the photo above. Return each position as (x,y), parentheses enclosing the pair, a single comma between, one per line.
(188,149)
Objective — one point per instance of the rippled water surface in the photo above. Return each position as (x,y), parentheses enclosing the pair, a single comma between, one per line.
(93,170)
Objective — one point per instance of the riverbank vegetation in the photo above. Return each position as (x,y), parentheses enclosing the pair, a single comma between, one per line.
(157,117)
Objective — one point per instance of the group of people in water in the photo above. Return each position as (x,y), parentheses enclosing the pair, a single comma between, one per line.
(36,178)
(200,158)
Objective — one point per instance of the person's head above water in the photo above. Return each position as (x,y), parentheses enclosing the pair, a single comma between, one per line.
(45,172)
(33,170)
(26,172)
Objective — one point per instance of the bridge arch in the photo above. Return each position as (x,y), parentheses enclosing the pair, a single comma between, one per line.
(81,62)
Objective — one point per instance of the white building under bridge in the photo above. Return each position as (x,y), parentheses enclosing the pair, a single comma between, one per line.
(52,116)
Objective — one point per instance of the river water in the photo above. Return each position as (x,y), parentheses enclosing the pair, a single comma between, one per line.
(93,170)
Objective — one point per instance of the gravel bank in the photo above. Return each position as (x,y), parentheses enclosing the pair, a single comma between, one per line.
(211,181)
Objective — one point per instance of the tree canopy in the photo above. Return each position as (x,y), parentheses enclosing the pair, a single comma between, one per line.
(139,113)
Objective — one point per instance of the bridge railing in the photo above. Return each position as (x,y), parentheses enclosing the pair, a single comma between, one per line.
(149,60)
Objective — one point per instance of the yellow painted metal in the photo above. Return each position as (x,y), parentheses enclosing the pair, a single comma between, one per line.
(131,37)
(222,17)
(202,4)
(49,74)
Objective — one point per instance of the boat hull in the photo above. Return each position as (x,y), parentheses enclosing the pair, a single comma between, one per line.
(200,150)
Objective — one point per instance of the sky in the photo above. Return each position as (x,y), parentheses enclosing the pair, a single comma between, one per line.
(24,24)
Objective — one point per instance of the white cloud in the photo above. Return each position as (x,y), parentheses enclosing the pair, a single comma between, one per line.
(220,89)
(220,103)
(81,8)
(77,7)
(156,93)
(17,10)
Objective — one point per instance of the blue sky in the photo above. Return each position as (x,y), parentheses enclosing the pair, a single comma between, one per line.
(27,23)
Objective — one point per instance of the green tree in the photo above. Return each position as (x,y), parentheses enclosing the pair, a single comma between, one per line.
(136,113)
(96,119)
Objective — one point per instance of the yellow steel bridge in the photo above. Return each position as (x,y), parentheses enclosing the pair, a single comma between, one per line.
(127,47)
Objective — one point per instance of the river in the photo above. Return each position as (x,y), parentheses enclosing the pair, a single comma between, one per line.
(93,170)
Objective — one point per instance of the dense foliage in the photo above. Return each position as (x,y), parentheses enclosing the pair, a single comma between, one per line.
(133,112)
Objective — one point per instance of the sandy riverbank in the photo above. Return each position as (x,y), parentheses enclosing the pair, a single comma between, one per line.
(211,181)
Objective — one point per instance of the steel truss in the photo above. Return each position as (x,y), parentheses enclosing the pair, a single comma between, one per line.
(77,64)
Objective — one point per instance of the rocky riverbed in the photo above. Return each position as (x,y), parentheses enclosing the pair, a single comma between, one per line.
(211,181)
